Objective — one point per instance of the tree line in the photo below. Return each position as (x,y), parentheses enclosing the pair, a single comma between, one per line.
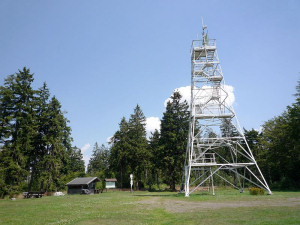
(36,151)
(160,159)
(277,147)
(153,162)
(35,139)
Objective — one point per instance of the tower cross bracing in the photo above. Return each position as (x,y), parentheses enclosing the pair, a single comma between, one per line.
(216,147)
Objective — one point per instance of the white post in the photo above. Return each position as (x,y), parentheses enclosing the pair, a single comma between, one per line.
(212,182)
(187,182)
(131,182)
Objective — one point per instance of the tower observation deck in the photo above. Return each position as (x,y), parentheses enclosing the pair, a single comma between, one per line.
(216,147)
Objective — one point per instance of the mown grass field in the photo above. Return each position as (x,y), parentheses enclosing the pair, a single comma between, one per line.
(227,207)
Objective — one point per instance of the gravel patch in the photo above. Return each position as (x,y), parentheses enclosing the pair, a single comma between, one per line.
(178,206)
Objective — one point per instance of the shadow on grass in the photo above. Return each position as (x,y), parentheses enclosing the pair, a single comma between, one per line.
(174,194)
(153,195)
(285,190)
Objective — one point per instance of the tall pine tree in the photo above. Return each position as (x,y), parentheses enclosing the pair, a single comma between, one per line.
(57,142)
(155,159)
(18,128)
(138,146)
(99,160)
(174,132)
(119,157)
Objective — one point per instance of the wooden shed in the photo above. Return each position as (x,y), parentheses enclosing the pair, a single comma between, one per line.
(78,184)
(110,183)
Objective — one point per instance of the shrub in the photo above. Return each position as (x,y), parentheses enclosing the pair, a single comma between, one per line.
(256,191)
(160,187)
(100,185)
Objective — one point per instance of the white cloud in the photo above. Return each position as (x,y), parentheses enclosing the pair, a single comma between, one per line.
(186,94)
(109,139)
(85,148)
(229,89)
(86,153)
(261,129)
(184,91)
(152,123)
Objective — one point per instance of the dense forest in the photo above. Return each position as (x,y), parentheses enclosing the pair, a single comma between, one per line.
(153,162)
(35,139)
(276,149)
(36,151)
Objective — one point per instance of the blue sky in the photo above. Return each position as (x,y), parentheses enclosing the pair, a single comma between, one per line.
(101,58)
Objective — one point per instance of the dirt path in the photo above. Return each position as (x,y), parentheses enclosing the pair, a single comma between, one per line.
(177,206)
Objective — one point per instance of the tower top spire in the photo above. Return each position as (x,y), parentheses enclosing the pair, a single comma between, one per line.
(203,26)
(205,39)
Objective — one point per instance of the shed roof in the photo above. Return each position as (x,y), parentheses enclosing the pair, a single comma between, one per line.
(110,179)
(82,180)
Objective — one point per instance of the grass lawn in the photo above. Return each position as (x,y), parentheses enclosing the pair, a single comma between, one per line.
(227,207)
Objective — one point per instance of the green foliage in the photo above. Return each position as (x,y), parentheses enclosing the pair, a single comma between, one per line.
(99,160)
(228,129)
(129,151)
(256,191)
(3,186)
(36,151)
(281,142)
(155,168)
(35,141)
(277,147)
(100,185)
(173,140)
(138,146)
(75,162)
(159,187)
(119,158)
(18,128)
(99,165)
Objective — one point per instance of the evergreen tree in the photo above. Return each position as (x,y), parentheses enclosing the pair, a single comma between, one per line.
(73,166)
(35,141)
(76,162)
(99,160)
(39,140)
(58,141)
(228,129)
(253,138)
(119,157)
(155,159)
(277,147)
(129,151)
(174,132)
(138,146)
(93,167)
(18,127)
(281,148)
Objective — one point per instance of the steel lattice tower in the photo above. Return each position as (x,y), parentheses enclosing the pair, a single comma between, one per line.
(216,144)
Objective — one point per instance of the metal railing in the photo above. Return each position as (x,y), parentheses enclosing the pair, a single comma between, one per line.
(200,43)
(207,158)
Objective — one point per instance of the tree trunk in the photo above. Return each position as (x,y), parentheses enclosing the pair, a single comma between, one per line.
(173,186)
(42,186)
(172,183)
(121,177)
(31,178)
